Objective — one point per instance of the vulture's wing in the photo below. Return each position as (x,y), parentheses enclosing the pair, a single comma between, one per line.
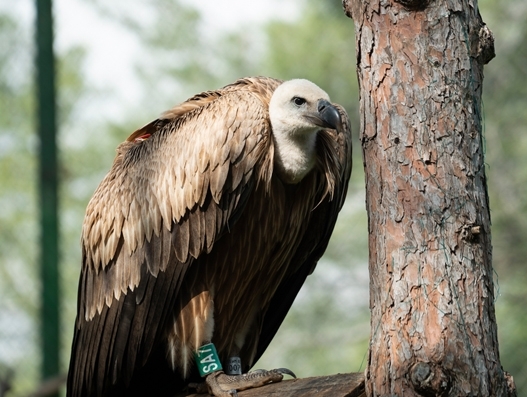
(314,243)
(174,188)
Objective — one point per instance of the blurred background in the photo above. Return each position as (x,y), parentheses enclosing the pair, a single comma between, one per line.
(121,63)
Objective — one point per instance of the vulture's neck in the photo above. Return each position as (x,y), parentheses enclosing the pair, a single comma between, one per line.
(295,154)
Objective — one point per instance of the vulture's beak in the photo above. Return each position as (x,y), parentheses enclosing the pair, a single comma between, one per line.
(327,116)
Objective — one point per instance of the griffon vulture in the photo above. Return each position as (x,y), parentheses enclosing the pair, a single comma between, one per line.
(203,231)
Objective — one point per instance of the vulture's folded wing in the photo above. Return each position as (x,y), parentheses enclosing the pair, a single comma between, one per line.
(175,186)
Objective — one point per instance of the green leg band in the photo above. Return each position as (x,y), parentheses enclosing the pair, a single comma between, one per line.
(207,359)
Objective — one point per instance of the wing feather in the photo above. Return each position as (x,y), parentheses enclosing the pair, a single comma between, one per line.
(112,239)
(122,274)
(180,241)
(166,238)
(203,189)
(86,286)
(210,219)
(217,181)
(153,254)
(195,237)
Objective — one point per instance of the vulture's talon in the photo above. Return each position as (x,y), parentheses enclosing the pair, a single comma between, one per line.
(222,385)
(286,371)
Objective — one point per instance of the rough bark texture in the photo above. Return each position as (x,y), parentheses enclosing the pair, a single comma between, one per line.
(420,69)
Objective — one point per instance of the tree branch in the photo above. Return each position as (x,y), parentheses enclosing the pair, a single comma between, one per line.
(339,385)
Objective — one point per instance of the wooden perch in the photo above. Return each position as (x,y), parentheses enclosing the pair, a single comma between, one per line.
(339,385)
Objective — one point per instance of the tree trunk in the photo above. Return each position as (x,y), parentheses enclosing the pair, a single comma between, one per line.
(433,328)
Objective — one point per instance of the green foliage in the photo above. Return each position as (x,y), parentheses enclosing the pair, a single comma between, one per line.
(18,284)
(19,271)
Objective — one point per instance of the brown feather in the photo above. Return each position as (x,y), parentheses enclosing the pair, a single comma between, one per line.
(180,240)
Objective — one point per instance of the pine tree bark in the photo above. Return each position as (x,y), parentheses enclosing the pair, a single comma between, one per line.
(433,327)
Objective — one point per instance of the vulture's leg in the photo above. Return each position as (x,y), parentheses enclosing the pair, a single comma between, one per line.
(221,385)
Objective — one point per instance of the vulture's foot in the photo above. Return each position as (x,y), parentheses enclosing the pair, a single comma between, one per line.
(221,385)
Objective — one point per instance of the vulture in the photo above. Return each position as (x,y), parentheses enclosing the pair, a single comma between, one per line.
(197,241)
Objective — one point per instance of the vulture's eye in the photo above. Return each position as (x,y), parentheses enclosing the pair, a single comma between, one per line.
(299,101)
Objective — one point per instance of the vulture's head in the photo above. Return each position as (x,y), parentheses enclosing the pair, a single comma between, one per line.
(298,110)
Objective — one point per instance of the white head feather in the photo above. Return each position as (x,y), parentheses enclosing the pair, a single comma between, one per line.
(293,111)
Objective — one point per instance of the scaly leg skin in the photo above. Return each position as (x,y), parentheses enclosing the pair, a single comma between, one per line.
(219,384)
